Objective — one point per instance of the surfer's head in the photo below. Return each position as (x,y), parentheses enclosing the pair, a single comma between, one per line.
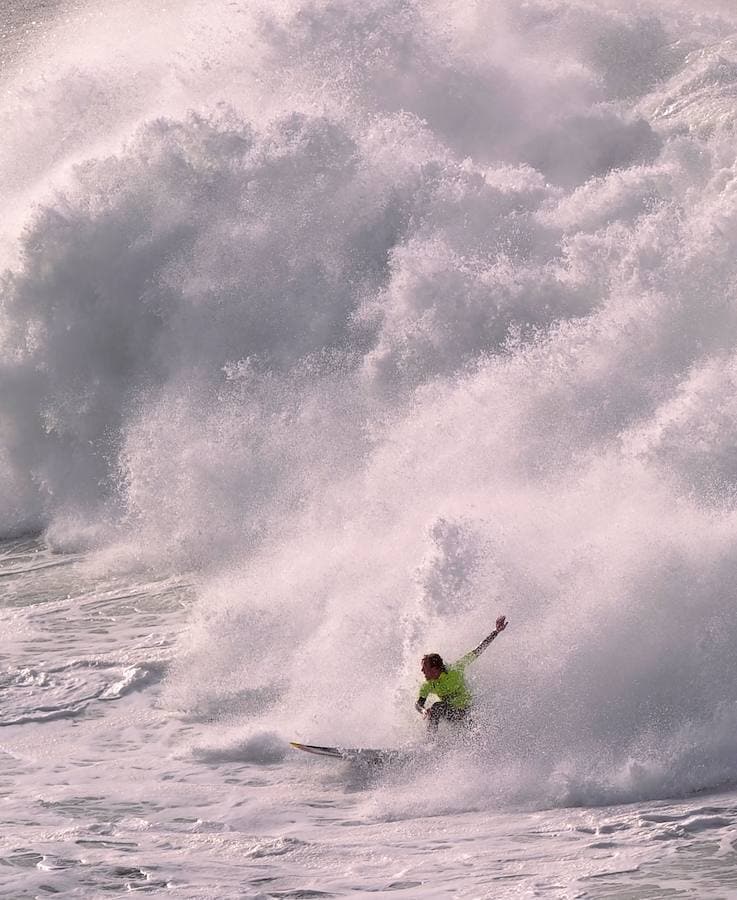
(433,666)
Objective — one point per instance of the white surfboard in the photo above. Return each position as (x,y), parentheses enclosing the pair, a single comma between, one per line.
(354,754)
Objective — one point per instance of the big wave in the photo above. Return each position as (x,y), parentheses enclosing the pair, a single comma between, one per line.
(385,318)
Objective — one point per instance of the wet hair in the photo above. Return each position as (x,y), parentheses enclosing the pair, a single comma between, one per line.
(435,660)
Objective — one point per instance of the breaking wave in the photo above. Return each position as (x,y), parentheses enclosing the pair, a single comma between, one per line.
(386,318)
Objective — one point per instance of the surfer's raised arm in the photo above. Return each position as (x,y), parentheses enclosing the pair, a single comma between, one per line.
(501,624)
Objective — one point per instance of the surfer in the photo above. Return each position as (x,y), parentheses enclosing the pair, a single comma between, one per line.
(448,684)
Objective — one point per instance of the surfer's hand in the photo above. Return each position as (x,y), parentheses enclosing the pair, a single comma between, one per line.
(501,623)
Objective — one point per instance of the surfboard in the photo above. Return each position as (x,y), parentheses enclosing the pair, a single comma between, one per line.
(354,754)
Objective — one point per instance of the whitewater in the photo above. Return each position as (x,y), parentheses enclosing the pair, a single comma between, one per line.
(329,332)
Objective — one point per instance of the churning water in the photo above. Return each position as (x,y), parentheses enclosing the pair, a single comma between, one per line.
(331,330)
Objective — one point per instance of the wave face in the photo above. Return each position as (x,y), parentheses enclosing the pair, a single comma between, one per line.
(386,318)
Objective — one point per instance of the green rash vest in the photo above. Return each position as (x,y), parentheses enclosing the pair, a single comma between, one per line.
(451,685)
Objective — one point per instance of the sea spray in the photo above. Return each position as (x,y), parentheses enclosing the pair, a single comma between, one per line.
(384,321)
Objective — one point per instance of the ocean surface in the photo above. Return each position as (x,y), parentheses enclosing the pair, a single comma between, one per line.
(329,332)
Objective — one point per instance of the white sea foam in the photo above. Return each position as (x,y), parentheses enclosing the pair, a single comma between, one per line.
(383,319)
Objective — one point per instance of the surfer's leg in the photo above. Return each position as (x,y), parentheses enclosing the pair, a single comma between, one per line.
(436,712)
(443,710)
(458,716)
